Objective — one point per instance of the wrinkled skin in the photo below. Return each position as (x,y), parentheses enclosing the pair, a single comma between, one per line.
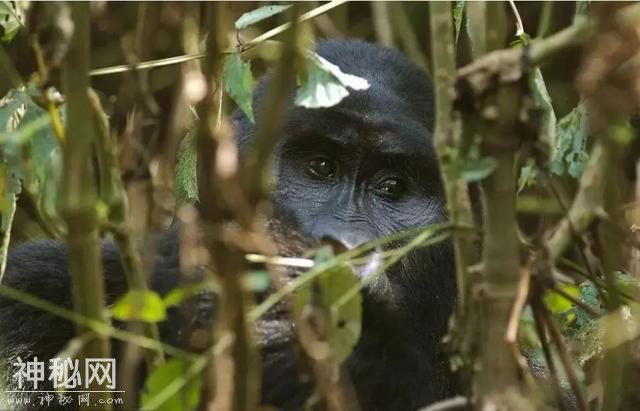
(344,175)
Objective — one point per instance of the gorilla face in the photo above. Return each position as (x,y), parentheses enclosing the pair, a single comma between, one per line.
(362,170)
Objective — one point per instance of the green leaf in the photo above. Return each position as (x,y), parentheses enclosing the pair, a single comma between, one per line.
(559,304)
(528,175)
(238,82)
(259,14)
(478,169)
(11,19)
(622,133)
(542,102)
(187,171)
(458,15)
(49,189)
(324,293)
(257,281)
(29,126)
(10,187)
(185,399)
(179,294)
(581,9)
(570,146)
(325,84)
(140,305)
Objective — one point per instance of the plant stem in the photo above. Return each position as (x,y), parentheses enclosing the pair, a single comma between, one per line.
(78,198)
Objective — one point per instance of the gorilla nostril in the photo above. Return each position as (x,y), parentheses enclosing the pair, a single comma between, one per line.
(338,246)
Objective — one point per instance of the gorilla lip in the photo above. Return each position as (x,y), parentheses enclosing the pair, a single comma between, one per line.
(368,265)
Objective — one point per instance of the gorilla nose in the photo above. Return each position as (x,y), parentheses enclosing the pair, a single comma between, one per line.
(363,265)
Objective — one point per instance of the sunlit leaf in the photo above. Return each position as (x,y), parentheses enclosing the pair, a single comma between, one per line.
(179,294)
(622,133)
(140,305)
(528,174)
(259,14)
(185,399)
(238,82)
(326,85)
(326,291)
(11,19)
(557,303)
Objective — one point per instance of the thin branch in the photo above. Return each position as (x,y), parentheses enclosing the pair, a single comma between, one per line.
(245,46)
(113,194)
(565,357)
(586,307)
(450,404)
(588,200)
(519,26)
(542,336)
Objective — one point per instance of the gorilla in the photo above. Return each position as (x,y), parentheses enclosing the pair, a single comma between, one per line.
(345,175)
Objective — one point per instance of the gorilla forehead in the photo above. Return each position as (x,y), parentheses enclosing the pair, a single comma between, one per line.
(398,106)
(362,121)
(393,116)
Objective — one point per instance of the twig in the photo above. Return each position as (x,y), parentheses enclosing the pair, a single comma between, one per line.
(94,326)
(542,336)
(245,46)
(516,313)
(450,404)
(114,195)
(546,17)
(508,63)
(519,26)
(567,363)
(586,307)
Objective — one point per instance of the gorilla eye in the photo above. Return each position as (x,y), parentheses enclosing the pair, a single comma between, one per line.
(321,167)
(392,188)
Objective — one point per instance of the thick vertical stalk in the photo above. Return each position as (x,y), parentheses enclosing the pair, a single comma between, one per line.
(236,382)
(497,381)
(447,136)
(78,193)
(501,260)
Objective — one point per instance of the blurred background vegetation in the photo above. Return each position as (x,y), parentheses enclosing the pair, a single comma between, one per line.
(146,58)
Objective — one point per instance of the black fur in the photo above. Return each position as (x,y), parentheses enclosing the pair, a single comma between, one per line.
(371,138)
